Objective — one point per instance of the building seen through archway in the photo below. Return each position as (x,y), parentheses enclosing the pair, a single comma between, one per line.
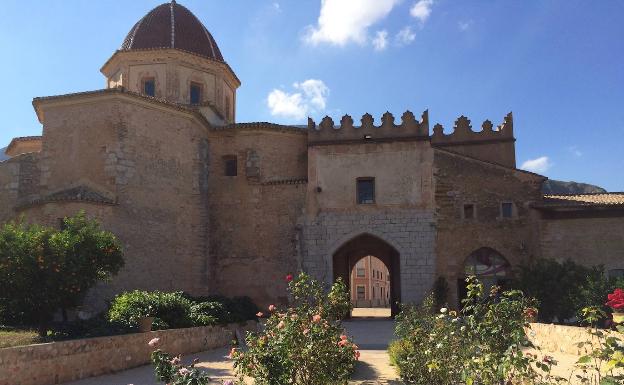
(370,283)
(371,269)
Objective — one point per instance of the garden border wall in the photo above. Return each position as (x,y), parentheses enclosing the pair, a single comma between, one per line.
(559,338)
(59,362)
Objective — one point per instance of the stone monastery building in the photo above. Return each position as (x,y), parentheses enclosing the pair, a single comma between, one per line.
(206,204)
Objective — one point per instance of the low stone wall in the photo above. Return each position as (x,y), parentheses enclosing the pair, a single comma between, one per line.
(59,362)
(558,338)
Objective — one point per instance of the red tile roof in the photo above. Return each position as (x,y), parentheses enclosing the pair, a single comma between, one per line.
(170,25)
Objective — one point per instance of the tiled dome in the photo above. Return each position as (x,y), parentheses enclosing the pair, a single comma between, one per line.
(171,25)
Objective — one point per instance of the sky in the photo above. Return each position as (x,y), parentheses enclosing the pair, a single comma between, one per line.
(558,65)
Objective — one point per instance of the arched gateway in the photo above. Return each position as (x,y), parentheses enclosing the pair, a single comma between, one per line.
(345,258)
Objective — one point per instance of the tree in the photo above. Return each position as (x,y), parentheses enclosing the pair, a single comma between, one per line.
(43,269)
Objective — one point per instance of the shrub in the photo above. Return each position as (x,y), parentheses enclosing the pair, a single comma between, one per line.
(208,313)
(482,344)
(303,344)
(43,269)
(564,289)
(237,309)
(171,310)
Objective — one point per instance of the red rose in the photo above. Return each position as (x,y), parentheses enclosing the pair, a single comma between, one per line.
(616,300)
(289,278)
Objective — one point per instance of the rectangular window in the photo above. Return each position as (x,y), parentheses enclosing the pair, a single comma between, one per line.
(196,93)
(231,165)
(361,292)
(149,86)
(365,190)
(361,272)
(469,211)
(507,210)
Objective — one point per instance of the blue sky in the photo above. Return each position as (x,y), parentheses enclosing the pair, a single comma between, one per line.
(558,65)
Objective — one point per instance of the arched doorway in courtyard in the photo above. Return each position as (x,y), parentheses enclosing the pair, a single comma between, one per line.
(489,266)
(363,252)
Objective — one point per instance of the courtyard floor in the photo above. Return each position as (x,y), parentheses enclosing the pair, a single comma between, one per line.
(372,330)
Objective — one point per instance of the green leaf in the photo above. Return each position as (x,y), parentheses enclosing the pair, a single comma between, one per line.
(584,360)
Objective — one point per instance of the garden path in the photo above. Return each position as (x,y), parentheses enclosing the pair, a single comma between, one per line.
(372,335)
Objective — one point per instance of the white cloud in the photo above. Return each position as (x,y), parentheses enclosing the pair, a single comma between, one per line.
(421,10)
(575,151)
(464,25)
(311,96)
(405,36)
(538,165)
(381,40)
(344,21)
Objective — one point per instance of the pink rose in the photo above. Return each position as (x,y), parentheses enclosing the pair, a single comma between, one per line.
(153,342)
(306,332)
(281,325)
(294,317)
(316,318)
(272,308)
(343,337)
(259,314)
(183,371)
(289,277)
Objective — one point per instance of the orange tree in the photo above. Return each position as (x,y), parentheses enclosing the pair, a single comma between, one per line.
(43,269)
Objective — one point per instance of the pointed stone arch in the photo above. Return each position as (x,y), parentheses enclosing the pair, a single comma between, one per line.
(350,251)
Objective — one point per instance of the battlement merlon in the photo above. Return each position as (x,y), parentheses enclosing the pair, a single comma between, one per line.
(463,133)
(409,129)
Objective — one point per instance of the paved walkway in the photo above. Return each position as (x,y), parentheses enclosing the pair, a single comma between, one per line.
(370,334)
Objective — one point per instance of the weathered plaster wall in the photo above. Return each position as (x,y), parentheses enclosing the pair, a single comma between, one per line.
(460,180)
(588,241)
(402,214)
(253,215)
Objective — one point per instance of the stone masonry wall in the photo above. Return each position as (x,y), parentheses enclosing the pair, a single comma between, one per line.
(460,181)
(60,362)
(402,214)
(588,241)
(149,159)
(410,231)
(254,214)
(19,183)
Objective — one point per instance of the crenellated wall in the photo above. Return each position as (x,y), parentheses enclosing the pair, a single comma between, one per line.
(496,145)
(408,129)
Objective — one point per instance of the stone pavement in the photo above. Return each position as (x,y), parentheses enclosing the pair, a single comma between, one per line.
(372,335)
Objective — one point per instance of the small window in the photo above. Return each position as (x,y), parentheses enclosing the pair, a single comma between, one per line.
(469,211)
(196,93)
(361,272)
(507,210)
(616,273)
(231,165)
(361,292)
(365,190)
(149,86)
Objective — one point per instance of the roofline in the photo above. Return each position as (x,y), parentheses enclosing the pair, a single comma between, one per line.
(120,91)
(261,126)
(14,141)
(120,51)
(583,194)
(489,163)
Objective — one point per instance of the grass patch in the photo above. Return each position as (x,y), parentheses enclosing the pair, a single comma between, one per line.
(15,337)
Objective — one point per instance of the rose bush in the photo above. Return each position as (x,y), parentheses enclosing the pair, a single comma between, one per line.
(304,344)
(616,300)
(481,344)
